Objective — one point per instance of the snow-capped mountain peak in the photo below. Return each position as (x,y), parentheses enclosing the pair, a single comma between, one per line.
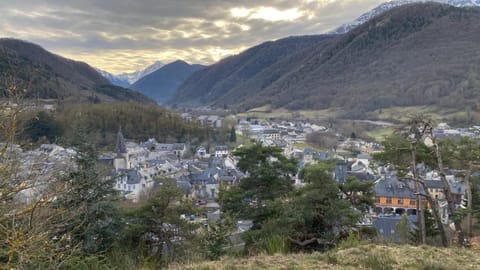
(395,3)
(135,76)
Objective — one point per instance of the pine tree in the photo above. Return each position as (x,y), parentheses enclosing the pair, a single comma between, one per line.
(233,135)
(91,219)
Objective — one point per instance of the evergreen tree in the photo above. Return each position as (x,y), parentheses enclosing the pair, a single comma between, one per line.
(317,217)
(42,125)
(156,229)
(268,178)
(233,135)
(91,219)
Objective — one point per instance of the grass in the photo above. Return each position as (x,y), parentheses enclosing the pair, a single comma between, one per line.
(392,114)
(380,133)
(402,114)
(358,257)
(266,112)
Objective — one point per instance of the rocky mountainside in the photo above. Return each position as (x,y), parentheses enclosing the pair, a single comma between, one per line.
(161,84)
(395,3)
(32,72)
(416,54)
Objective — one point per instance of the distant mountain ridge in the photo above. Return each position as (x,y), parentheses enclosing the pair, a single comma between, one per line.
(41,74)
(126,79)
(414,54)
(162,83)
(114,79)
(395,3)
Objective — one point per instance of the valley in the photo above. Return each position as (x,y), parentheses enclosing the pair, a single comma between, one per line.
(228,135)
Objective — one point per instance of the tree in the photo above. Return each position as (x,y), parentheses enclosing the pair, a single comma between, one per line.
(233,135)
(42,125)
(268,178)
(91,219)
(463,155)
(359,194)
(155,230)
(405,155)
(436,156)
(316,216)
(26,212)
(402,230)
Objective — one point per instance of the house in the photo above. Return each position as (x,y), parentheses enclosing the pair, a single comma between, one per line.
(386,226)
(271,134)
(132,184)
(179,149)
(201,152)
(395,197)
(307,156)
(221,151)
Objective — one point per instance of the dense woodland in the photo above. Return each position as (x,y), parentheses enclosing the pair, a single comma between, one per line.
(420,54)
(38,74)
(102,121)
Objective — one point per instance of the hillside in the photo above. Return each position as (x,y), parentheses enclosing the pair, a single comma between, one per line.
(212,82)
(41,74)
(360,257)
(161,84)
(395,3)
(419,54)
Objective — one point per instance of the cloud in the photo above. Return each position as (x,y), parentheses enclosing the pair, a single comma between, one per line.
(125,35)
(267,13)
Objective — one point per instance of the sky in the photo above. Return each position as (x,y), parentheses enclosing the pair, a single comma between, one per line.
(127,35)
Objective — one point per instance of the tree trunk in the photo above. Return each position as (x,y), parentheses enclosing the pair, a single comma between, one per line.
(436,214)
(447,191)
(419,204)
(468,189)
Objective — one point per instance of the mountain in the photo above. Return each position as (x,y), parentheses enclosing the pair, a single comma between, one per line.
(214,81)
(36,73)
(132,77)
(416,54)
(114,79)
(162,83)
(389,5)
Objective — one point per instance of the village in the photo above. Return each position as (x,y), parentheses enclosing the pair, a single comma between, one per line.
(137,166)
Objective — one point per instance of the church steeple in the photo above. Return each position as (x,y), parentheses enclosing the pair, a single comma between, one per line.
(120,147)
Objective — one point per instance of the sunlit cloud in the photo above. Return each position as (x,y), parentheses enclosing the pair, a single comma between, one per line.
(267,13)
(123,35)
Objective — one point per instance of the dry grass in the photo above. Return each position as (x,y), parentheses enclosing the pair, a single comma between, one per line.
(402,114)
(361,257)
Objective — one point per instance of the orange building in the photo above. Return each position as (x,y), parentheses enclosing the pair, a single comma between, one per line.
(394,197)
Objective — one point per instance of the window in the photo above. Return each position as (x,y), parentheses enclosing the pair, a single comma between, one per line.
(400,201)
(389,200)
(124,186)
(377,199)
(413,202)
(119,186)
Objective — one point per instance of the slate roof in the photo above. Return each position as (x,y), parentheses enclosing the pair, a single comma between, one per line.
(221,148)
(386,225)
(390,186)
(185,186)
(178,146)
(133,176)
(362,176)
